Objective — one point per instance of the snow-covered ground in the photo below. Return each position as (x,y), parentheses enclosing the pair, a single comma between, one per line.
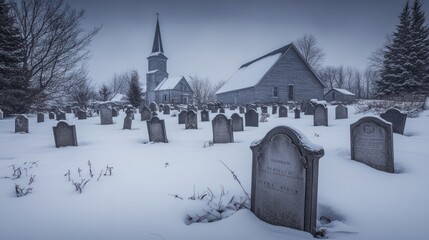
(137,201)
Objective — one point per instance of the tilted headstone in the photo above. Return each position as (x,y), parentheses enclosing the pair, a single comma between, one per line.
(40,117)
(397,119)
(221,110)
(371,140)
(145,114)
(237,123)
(320,117)
(153,107)
(241,109)
(21,124)
(156,130)
(274,109)
(341,112)
(68,109)
(285,169)
(65,134)
(81,115)
(182,117)
(60,116)
(297,113)
(222,129)
(264,109)
(283,111)
(204,115)
(106,115)
(166,109)
(191,120)
(51,115)
(251,118)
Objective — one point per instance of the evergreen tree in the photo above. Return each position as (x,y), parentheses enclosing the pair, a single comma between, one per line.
(13,88)
(135,92)
(105,93)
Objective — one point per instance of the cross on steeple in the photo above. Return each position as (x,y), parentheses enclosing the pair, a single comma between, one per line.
(157,41)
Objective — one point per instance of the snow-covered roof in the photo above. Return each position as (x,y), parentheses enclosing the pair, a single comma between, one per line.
(249,74)
(168,83)
(156,54)
(343,91)
(153,71)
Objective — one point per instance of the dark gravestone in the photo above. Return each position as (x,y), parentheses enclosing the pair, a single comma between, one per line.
(210,106)
(232,107)
(106,115)
(191,120)
(51,115)
(274,109)
(251,118)
(153,107)
(61,116)
(309,109)
(115,112)
(214,109)
(297,113)
(154,114)
(285,169)
(65,134)
(68,109)
(397,119)
(128,121)
(21,124)
(156,130)
(371,141)
(222,129)
(320,117)
(241,109)
(221,110)
(182,117)
(283,111)
(166,109)
(204,116)
(40,117)
(264,109)
(81,115)
(145,114)
(341,112)
(237,122)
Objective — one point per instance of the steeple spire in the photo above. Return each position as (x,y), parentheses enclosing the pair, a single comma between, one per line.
(157,41)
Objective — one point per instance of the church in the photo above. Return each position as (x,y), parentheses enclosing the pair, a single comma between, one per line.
(160,88)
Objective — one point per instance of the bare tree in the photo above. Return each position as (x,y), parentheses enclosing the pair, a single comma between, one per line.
(54,45)
(83,92)
(371,75)
(216,87)
(329,76)
(358,83)
(311,52)
(119,83)
(202,89)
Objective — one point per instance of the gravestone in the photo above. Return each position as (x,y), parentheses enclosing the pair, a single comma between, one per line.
(241,109)
(264,109)
(61,115)
(285,169)
(106,115)
(182,117)
(40,117)
(156,130)
(232,107)
(1,114)
(371,141)
(153,106)
(65,134)
(283,111)
(166,109)
(214,109)
(154,114)
(51,115)
(115,112)
(68,109)
(237,123)
(341,112)
(191,120)
(320,117)
(397,119)
(251,118)
(21,124)
(309,109)
(145,114)
(81,115)
(204,115)
(274,109)
(221,110)
(297,113)
(222,129)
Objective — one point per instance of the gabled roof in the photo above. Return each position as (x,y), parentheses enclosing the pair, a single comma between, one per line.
(251,73)
(343,91)
(169,83)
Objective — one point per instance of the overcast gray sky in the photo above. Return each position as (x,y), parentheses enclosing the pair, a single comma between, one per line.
(213,38)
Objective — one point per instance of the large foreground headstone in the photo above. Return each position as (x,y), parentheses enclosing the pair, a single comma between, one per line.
(371,141)
(191,121)
(320,117)
(285,169)
(237,122)
(40,117)
(341,112)
(397,119)
(251,118)
(65,134)
(222,129)
(204,115)
(21,124)
(283,111)
(156,130)
(106,115)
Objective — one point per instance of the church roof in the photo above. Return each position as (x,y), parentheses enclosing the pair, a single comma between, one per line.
(168,83)
(157,41)
(343,91)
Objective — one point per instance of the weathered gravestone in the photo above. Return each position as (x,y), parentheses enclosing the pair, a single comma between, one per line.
(341,112)
(371,141)
(320,117)
(68,109)
(204,115)
(214,109)
(397,119)
(264,109)
(1,114)
(297,113)
(285,169)
(81,115)
(232,107)
(237,122)
(191,120)
(241,109)
(274,109)
(153,106)
(309,109)
(61,115)
(156,130)
(128,121)
(222,129)
(221,110)
(51,115)
(283,111)
(65,134)
(106,115)
(145,114)
(40,117)
(182,117)
(21,124)
(251,118)
(166,109)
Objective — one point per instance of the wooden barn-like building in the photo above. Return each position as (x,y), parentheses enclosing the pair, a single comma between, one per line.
(339,95)
(277,77)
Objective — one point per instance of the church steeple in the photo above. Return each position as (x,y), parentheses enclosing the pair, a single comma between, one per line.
(157,41)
